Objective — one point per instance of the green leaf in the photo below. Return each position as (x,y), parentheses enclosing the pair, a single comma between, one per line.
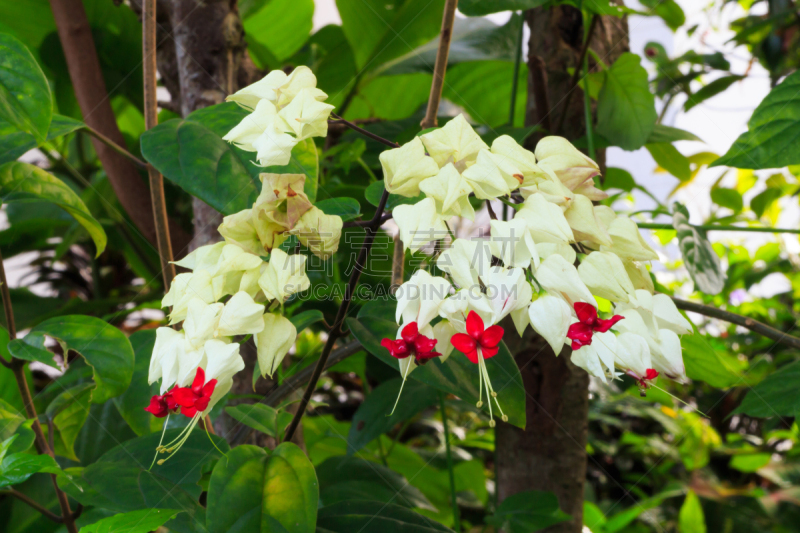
(13,423)
(375,190)
(712,89)
(775,396)
(618,178)
(691,518)
(303,320)
(250,490)
(22,182)
(284,39)
(772,139)
(699,257)
(730,198)
(131,403)
(483,89)
(668,10)
(133,522)
(528,511)
(372,419)
(14,143)
(25,99)
(455,376)
(750,462)
(347,208)
(18,467)
(69,411)
(105,348)
(260,417)
(626,113)
(705,363)
(479,8)
(670,159)
(763,200)
(344,478)
(377,34)
(374,517)
(668,134)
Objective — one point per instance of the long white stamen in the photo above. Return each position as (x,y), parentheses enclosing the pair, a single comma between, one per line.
(403,384)
(482,369)
(480,388)
(684,403)
(163,432)
(186,433)
(492,393)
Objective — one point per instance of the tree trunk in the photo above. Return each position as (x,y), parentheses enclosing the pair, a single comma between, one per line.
(550,454)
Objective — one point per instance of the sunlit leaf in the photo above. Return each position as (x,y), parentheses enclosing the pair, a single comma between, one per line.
(25,99)
(700,259)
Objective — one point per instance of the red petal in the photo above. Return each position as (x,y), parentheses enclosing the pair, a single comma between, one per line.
(604,325)
(423,344)
(208,389)
(188,411)
(184,396)
(474,325)
(489,352)
(580,332)
(410,332)
(472,356)
(463,343)
(170,399)
(652,373)
(492,337)
(423,358)
(157,407)
(397,349)
(201,404)
(199,380)
(587,313)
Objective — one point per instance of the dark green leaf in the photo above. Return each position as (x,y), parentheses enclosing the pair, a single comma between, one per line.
(69,412)
(712,89)
(775,396)
(705,363)
(699,257)
(668,134)
(773,136)
(25,99)
(618,178)
(479,8)
(303,320)
(372,417)
(456,376)
(13,422)
(347,208)
(730,198)
(14,143)
(260,417)
(761,202)
(483,89)
(374,517)
(528,511)
(105,348)
(134,522)
(22,182)
(132,402)
(377,34)
(375,190)
(626,113)
(351,478)
(18,467)
(250,490)
(284,39)
(691,518)
(670,159)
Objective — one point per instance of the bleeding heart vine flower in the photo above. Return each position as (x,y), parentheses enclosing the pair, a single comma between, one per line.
(411,343)
(478,344)
(588,322)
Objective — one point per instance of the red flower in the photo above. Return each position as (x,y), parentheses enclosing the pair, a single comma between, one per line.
(161,405)
(581,332)
(477,337)
(195,398)
(411,342)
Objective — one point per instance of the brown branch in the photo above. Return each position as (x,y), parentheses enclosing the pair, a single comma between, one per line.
(114,146)
(18,367)
(363,223)
(573,83)
(746,322)
(492,214)
(362,131)
(33,503)
(90,90)
(440,67)
(538,80)
(157,199)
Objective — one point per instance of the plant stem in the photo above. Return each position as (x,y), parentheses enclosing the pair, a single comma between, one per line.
(18,367)
(746,322)
(587,111)
(33,503)
(573,83)
(454,500)
(114,146)
(150,121)
(440,67)
(515,79)
(712,227)
(362,131)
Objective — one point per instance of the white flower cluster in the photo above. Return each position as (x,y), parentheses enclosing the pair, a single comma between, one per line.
(285,109)
(556,227)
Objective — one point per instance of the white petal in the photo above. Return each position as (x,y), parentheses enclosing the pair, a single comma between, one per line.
(551,317)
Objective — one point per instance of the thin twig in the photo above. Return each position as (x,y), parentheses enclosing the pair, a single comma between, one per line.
(515,80)
(362,131)
(492,215)
(114,146)
(712,227)
(573,83)
(34,504)
(150,121)
(453,497)
(362,223)
(746,322)
(440,67)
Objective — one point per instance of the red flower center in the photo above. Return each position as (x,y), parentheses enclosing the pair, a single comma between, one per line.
(588,322)
(191,400)
(411,342)
(477,336)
